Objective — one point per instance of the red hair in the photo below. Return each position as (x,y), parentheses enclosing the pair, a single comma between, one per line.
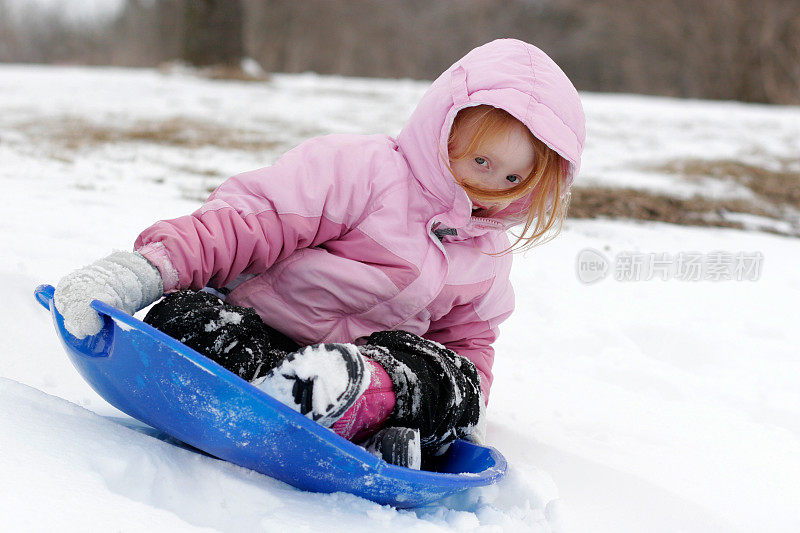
(545,186)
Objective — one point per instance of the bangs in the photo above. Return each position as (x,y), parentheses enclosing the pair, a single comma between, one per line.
(545,185)
(490,125)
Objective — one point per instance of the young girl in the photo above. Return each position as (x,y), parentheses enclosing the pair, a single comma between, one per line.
(386,259)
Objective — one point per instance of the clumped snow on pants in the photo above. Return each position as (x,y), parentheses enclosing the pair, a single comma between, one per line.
(234,337)
(334,375)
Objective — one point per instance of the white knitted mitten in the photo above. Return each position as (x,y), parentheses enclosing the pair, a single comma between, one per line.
(125,280)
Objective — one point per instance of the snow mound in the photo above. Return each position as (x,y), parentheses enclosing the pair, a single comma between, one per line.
(104,473)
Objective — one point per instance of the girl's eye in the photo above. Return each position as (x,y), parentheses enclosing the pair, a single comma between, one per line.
(481,161)
(513,178)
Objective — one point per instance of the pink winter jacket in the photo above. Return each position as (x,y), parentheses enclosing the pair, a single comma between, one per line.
(340,238)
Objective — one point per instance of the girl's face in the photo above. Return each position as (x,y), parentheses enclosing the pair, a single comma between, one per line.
(501,165)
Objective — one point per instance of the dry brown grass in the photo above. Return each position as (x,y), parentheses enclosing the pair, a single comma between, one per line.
(781,188)
(777,197)
(74,133)
(777,193)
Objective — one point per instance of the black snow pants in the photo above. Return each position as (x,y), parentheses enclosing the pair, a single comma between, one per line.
(437,391)
(234,337)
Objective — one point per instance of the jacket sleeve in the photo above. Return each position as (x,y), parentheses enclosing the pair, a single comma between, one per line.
(312,194)
(470,329)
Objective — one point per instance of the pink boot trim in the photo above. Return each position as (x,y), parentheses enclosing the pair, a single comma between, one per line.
(371,410)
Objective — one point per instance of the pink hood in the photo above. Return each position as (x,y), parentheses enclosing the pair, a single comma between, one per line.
(508,74)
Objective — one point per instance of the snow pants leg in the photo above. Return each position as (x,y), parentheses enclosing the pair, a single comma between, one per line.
(437,391)
(234,337)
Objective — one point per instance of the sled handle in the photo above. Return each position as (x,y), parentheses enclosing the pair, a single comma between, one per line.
(93,345)
(44,294)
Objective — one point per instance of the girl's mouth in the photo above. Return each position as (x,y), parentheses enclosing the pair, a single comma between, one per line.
(478,211)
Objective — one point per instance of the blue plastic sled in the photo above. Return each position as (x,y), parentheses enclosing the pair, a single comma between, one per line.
(164,383)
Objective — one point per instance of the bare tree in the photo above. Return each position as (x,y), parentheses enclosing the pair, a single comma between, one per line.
(213,32)
(147,33)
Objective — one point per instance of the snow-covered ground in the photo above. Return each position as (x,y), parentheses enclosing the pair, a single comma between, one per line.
(658,405)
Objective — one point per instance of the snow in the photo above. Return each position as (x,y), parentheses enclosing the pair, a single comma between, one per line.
(630,137)
(658,405)
(76,12)
(225,318)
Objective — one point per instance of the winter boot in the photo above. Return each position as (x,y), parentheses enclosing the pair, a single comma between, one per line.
(321,381)
(397,446)
(437,391)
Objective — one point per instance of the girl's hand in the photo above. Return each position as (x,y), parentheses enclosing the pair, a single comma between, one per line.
(125,280)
